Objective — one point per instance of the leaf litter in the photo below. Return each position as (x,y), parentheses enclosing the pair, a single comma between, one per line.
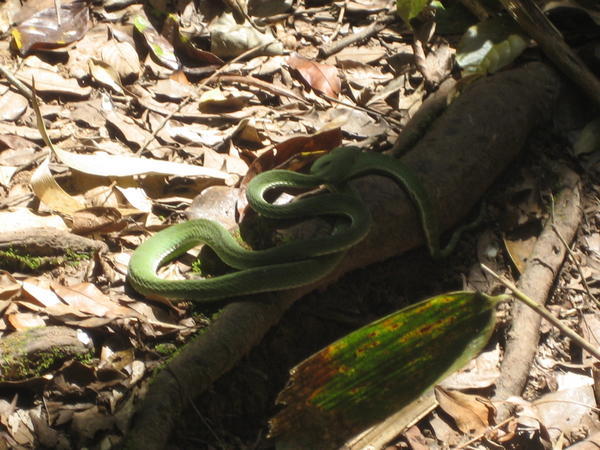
(140,131)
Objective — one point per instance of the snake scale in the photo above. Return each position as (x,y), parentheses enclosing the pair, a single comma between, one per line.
(291,264)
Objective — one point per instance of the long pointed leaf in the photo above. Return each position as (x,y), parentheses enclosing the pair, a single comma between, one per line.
(376,370)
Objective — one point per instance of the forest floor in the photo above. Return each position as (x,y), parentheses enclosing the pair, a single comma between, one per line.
(78,347)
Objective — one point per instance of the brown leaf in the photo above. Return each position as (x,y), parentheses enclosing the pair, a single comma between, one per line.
(86,297)
(320,77)
(37,289)
(80,301)
(50,82)
(416,439)
(97,219)
(127,128)
(472,413)
(123,58)
(25,321)
(45,30)
(9,287)
(12,106)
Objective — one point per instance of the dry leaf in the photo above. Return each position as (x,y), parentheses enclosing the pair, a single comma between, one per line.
(50,193)
(9,287)
(321,77)
(25,321)
(123,166)
(105,75)
(40,293)
(49,82)
(12,106)
(123,58)
(473,414)
(45,30)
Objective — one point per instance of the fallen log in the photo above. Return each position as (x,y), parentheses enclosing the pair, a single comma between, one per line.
(464,151)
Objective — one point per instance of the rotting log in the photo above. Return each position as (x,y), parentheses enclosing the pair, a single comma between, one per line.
(32,352)
(465,150)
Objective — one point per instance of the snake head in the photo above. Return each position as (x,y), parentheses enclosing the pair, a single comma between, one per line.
(335,166)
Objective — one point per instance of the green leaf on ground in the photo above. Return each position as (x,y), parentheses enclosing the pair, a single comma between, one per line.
(371,373)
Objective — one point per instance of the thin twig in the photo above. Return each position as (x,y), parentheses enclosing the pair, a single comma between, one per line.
(296,13)
(576,262)
(484,432)
(338,25)
(542,311)
(261,84)
(371,30)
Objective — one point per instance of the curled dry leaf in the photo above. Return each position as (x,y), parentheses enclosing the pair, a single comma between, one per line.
(218,100)
(123,58)
(105,75)
(137,197)
(9,287)
(50,193)
(473,414)
(228,39)
(320,77)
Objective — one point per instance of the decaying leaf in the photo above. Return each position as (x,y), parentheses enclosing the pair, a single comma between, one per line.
(123,58)
(229,39)
(12,106)
(218,100)
(378,369)
(98,219)
(52,27)
(50,193)
(48,81)
(473,414)
(105,75)
(160,48)
(320,77)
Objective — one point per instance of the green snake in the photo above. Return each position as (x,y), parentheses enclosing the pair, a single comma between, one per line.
(291,264)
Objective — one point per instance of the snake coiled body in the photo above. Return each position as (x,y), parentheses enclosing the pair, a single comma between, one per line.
(291,264)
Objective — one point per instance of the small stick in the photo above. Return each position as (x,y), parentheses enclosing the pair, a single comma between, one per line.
(371,30)
(542,311)
(340,18)
(576,262)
